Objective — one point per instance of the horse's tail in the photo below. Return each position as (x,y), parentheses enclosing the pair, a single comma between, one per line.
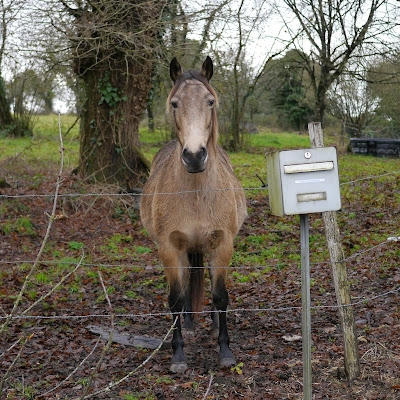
(196,283)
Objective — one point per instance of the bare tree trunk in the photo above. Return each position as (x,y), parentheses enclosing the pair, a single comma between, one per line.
(5,114)
(342,287)
(342,132)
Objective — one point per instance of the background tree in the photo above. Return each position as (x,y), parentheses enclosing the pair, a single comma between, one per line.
(9,15)
(290,91)
(384,84)
(353,103)
(238,71)
(337,32)
(30,91)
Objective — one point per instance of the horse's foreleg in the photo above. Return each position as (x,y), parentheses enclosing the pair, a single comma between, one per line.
(176,301)
(221,261)
(214,314)
(172,260)
(220,300)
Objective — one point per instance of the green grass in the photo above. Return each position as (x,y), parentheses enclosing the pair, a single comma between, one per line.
(278,141)
(21,225)
(44,145)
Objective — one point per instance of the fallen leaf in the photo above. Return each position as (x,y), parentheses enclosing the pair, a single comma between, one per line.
(294,338)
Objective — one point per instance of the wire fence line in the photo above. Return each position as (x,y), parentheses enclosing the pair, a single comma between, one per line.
(74,195)
(168,314)
(390,239)
(133,194)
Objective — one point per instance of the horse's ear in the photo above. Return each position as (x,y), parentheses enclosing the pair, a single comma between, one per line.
(207,68)
(175,70)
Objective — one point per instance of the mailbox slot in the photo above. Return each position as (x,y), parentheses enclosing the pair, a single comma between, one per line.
(311,167)
(303,197)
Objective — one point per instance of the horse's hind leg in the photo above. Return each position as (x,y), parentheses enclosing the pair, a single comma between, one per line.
(194,290)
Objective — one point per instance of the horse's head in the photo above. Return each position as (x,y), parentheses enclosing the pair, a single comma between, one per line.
(192,102)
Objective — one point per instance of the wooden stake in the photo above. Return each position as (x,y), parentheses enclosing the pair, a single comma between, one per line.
(342,287)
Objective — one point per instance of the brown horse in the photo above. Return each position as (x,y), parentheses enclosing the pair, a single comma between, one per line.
(203,212)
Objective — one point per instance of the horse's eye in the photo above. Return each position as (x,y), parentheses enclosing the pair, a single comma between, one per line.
(211,102)
(174,104)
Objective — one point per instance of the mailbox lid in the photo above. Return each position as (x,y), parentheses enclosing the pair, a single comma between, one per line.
(311,181)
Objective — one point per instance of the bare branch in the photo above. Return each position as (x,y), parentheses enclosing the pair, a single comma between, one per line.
(107,346)
(9,369)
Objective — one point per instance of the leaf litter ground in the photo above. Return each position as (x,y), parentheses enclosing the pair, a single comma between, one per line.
(265,275)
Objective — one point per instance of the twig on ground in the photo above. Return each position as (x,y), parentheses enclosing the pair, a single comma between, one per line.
(209,387)
(73,372)
(107,346)
(11,347)
(45,239)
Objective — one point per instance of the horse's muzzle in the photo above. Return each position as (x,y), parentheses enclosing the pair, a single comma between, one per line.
(195,162)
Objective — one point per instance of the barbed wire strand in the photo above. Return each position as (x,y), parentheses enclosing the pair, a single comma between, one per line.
(370,177)
(235,310)
(63,195)
(132,194)
(390,239)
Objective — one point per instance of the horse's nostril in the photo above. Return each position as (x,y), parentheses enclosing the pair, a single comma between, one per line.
(203,153)
(185,154)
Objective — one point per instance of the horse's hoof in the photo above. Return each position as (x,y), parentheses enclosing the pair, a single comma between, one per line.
(227,361)
(178,367)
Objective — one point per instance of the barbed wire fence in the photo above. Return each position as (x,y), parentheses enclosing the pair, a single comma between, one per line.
(15,315)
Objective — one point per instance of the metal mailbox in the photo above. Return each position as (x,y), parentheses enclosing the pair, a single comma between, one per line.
(303,181)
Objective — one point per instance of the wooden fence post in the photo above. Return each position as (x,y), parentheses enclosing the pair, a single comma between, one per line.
(342,287)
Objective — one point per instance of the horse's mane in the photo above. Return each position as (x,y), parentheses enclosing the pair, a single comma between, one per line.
(198,76)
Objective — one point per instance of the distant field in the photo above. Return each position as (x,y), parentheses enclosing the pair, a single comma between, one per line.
(43,147)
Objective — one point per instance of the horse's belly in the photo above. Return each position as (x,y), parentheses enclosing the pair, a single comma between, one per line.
(205,235)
